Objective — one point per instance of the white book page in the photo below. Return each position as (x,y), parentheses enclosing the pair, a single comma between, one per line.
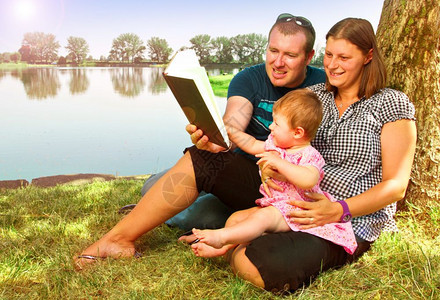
(185,64)
(183,60)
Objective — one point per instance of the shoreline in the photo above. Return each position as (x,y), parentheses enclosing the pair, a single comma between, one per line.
(76,179)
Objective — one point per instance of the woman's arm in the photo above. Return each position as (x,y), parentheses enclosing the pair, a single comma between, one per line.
(398,141)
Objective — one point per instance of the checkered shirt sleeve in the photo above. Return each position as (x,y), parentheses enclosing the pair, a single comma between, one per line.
(351,148)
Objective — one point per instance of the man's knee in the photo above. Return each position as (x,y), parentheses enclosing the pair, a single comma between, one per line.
(151,181)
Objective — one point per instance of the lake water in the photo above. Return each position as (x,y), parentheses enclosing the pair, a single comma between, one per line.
(120,121)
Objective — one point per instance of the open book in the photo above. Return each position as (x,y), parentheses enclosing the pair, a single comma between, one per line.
(190,85)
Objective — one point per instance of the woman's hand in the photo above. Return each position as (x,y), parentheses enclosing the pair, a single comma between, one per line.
(265,181)
(201,141)
(318,212)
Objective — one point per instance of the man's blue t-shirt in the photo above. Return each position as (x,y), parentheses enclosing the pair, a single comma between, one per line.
(254,84)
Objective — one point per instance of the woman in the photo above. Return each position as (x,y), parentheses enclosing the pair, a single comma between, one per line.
(367,138)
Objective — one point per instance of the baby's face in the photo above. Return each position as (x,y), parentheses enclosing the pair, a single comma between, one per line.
(283,135)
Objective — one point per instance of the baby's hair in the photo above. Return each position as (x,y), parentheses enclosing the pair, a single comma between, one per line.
(302,108)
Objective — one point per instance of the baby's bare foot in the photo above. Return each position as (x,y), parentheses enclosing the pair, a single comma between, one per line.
(203,250)
(212,238)
(187,238)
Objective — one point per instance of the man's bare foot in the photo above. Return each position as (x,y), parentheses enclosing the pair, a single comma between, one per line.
(203,250)
(103,248)
(212,238)
(188,238)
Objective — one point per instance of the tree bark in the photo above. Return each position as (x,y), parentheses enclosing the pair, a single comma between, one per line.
(409,36)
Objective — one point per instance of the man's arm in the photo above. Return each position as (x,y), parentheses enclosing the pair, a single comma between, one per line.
(238,113)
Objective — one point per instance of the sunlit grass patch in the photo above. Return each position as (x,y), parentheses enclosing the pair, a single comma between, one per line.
(41,230)
(220,84)
(12,66)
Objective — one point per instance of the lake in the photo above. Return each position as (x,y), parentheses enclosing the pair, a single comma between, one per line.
(121,121)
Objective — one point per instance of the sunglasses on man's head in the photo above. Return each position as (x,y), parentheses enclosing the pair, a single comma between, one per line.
(301,21)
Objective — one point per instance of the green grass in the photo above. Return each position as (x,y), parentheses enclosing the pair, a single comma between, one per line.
(220,84)
(42,229)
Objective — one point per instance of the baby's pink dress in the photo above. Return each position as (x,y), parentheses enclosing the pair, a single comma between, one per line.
(339,233)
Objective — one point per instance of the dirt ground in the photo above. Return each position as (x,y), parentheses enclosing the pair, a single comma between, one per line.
(50,181)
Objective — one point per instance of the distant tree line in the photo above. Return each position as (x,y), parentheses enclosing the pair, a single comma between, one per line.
(7,57)
(247,49)
(318,58)
(39,47)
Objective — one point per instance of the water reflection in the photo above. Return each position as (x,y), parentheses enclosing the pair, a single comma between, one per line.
(43,83)
(88,126)
(127,81)
(39,83)
(79,82)
(157,83)
(223,70)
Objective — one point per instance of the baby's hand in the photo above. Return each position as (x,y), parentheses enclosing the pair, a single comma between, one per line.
(268,158)
(269,171)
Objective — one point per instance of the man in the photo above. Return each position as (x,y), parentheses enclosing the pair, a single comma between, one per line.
(251,96)
(231,175)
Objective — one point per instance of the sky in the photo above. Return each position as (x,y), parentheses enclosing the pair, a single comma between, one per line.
(176,21)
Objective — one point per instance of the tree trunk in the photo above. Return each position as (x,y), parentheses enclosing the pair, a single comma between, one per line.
(409,36)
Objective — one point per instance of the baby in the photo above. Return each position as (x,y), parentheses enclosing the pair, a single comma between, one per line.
(296,118)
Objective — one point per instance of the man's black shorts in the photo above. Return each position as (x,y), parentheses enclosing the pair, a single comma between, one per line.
(232,177)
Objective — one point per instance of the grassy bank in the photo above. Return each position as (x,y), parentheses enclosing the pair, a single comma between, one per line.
(13,66)
(220,84)
(42,229)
